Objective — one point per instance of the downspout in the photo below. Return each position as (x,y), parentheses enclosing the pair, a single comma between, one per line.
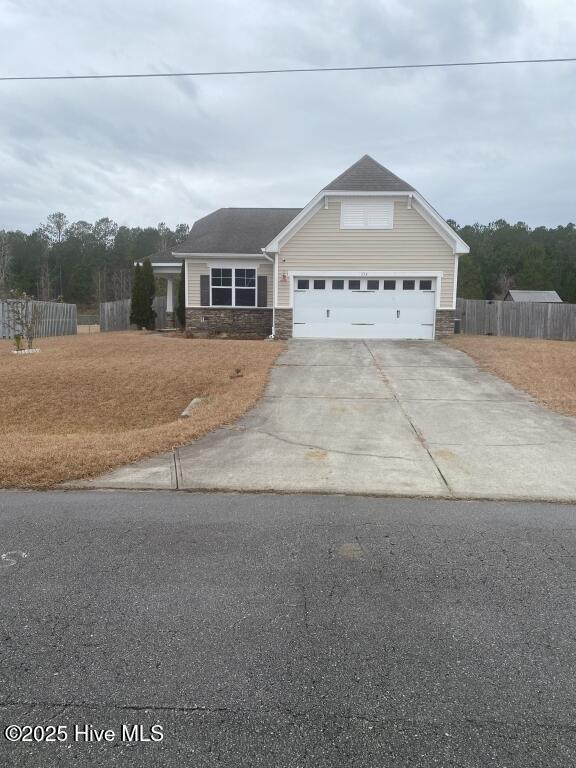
(275,289)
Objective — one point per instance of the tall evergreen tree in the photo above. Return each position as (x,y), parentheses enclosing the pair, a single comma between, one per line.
(143,289)
(136,302)
(149,291)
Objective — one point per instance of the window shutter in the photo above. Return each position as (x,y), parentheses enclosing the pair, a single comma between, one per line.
(204,290)
(367,214)
(262,298)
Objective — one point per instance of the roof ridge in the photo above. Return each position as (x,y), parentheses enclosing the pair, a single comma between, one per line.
(368,175)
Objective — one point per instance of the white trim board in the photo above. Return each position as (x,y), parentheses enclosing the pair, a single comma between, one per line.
(414,200)
(226,256)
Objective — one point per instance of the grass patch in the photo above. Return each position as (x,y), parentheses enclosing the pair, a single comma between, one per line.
(545,369)
(86,404)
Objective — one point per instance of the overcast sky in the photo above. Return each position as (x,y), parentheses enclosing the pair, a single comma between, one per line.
(478,143)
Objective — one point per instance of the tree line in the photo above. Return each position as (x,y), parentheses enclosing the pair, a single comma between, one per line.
(504,256)
(86,263)
(79,262)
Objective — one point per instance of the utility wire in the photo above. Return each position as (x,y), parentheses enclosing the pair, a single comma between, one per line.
(228,73)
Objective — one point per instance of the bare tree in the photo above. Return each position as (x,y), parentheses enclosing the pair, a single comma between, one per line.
(181,233)
(24,316)
(165,236)
(44,282)
(121,284)
(104,231)
(54,228)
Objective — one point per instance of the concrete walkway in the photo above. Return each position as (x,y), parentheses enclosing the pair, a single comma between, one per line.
(378,417)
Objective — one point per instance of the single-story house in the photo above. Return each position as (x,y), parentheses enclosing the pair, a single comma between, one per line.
(536,297)
(368,257)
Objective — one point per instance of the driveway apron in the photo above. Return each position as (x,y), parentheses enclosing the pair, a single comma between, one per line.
(404,418)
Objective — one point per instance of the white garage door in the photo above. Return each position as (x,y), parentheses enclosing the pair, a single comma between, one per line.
(364,308)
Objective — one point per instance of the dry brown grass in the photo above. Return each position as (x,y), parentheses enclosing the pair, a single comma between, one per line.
(85,404)
(546,369)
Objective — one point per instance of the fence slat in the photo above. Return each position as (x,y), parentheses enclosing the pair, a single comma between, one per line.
(56,319)
(508,318)
(115,315)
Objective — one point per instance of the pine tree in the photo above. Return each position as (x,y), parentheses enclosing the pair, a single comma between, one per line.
(470,283)
(136,302)
(149,291)
(181,302)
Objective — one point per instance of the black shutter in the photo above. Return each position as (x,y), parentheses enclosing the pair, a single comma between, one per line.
(262,299)
(204,290)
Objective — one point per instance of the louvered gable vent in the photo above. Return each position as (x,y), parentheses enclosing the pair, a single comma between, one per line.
(367,214)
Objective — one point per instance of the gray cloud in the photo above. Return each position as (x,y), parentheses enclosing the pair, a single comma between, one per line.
(480,144)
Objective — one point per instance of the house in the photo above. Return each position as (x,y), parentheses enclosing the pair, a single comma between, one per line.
(368,257)
(536,297)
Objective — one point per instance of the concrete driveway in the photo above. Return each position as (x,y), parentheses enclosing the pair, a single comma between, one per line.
(379,417)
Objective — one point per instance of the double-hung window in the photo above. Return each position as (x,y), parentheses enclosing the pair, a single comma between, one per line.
(232,287)
(245,287)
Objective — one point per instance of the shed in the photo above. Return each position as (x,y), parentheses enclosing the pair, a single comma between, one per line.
(535,297)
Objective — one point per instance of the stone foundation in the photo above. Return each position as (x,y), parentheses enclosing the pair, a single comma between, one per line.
(253,323)
(444,323)
(283,324)
(257,323)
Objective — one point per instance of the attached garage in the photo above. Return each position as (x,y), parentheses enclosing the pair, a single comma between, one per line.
(374,307)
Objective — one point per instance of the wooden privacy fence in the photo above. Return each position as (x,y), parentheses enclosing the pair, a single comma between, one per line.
(508,318)
(56,319)
(115,315)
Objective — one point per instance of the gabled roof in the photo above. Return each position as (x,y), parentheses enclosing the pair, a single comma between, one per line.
(544,297)
(367,175)
(236,230)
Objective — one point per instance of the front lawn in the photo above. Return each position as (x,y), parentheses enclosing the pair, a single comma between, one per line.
(85,404)
(545,369)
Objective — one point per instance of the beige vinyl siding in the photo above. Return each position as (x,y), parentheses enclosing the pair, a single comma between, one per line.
(194,269)
(411,245)
(267,268)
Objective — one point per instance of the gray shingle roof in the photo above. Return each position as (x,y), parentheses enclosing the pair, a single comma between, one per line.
(544,297)
(163,257)
(368,176)
(236,230)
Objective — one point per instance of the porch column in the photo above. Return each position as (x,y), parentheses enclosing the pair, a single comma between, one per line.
(169,294)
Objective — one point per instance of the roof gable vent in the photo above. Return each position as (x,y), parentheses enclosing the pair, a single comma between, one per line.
(367,214)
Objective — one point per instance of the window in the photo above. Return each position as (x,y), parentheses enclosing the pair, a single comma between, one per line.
(366,214)
(408,285)
(353,285)
(303,285)
(337,285)
(222,287)
(425,285)
(233,287)
(389,285)
(373,285)
(319,285)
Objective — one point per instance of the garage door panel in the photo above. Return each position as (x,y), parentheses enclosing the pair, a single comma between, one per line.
(373,314)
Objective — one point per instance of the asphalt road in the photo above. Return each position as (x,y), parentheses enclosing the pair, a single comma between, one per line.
(292,631)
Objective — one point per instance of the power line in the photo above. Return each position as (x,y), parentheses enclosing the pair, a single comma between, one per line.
(301,70)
